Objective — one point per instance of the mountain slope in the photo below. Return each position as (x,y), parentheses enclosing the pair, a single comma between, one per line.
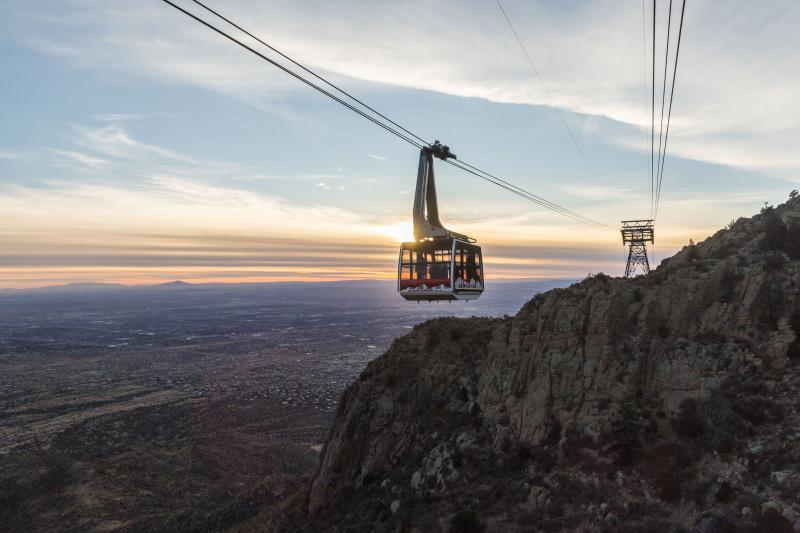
(666,401)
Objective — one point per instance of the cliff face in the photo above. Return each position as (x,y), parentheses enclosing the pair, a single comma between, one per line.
(664,401)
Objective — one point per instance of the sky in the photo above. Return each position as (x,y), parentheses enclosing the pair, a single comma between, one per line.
(137,146)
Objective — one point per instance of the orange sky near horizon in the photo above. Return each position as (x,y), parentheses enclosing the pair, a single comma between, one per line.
(99,234)
(127,258)
(140,148)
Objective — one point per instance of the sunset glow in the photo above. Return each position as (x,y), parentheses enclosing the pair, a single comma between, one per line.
(154,166)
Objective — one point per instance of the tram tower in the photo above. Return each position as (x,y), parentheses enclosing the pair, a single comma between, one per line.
(636,234)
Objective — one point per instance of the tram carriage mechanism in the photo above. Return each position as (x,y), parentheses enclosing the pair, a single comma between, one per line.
(440,264)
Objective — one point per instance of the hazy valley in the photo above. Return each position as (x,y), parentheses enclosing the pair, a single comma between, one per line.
(181,406)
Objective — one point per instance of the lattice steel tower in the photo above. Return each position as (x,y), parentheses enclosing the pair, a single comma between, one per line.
(636,234)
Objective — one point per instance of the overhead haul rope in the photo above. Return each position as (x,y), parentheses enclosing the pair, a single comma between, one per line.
(294,74)
(646,103)
(646,95)
(546,91)
(463,166)
(466,167)
(342,91)
(664,89)
(669,113)
(653,120)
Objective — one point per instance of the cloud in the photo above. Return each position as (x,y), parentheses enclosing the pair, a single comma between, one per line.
(117,117)
(140,158)
(735,104)
(149,184)
(168,226)
(86,160)
(735,97)
(115,141)
(597,192)
(171,227)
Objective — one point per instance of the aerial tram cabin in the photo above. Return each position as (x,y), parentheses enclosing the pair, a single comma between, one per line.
(440,269)
(440,264)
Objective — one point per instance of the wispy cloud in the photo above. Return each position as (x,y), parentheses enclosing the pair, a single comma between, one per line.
(117,117)
(6,154)
(575,49)
(167,201)
(174,228)
(115,141)
(86,160)
(735,104)
(597,192)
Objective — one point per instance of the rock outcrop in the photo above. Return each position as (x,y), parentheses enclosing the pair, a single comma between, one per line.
(664,402)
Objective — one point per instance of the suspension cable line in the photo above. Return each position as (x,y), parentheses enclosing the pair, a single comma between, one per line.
(419,145)
(547,91)
(645,92)
(669,113)
(295,75)
(646,105)
(520,191)
(531,197)
(653,119)
(309,71)
(664,86)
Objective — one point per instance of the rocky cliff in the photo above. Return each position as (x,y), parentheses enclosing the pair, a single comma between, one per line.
(664,402)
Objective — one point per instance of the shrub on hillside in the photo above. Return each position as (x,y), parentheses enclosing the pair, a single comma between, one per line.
(466,521)
(774,260)
(625,438)
(687,423)
(793,239)
(691,252)
(770,302)
(780,236)
(711,423)
(725,492)
(720,426)
(433,337)
(666,468)
(774,522)
(717,524)
(794,348)
(543,459)
(727,284)
(775,230)
(759,410)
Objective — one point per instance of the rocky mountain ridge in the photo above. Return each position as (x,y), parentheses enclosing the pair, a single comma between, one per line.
(667,402)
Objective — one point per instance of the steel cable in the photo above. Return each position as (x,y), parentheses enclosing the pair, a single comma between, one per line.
(669,113)
(461,165)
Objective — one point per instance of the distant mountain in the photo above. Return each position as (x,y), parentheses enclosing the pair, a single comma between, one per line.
(96,287)
(172,285)
(666,402)
(76,287)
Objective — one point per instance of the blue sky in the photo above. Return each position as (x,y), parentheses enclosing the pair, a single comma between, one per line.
(138,147)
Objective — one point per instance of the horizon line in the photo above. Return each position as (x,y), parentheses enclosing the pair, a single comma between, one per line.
(179,282)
